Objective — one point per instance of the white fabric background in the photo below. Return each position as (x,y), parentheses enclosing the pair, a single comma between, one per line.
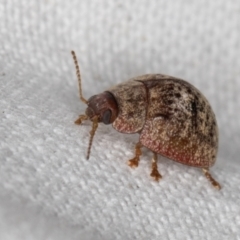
(48,190)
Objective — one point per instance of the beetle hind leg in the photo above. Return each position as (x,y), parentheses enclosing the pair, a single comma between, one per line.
(155,173)
(134,161)
(211,179)
(80,119)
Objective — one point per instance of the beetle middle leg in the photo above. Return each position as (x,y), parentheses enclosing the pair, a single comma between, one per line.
(211,179)
(134,161)
(80,119)
(155,173)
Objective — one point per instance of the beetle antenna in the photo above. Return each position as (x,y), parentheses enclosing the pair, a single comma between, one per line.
(78,77)
(92,133)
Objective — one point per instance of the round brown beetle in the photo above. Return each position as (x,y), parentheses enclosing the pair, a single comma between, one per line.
(172,117)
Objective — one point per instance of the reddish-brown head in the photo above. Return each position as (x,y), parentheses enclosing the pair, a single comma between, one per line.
(100,108)
(103,106)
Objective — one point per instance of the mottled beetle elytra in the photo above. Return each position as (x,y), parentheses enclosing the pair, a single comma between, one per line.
(170,115)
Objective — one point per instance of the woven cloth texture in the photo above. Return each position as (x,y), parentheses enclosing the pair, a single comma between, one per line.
(48,190)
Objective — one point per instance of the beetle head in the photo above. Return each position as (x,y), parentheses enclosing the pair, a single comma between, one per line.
(100,108)
(103,107)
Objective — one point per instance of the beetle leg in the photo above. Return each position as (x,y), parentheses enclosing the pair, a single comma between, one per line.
(155,174)
(80,119)
(134,161)
(211,179)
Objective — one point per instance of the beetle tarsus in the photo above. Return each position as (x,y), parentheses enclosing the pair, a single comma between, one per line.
(155,173)
(134,161)
(211,179)
(81,119)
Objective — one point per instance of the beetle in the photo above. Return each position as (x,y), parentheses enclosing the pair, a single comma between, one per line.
(172,117)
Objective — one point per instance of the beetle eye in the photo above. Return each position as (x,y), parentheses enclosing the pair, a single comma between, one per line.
(107,117)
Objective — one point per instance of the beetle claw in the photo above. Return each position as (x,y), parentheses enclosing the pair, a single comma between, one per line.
(156,175)
(133,163)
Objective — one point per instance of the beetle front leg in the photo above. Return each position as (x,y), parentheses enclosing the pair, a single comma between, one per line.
(134,161)
(155,173)
(80,119)
(211,179)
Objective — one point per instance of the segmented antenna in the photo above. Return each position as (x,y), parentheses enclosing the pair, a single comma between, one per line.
(78,77)
(92,133)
